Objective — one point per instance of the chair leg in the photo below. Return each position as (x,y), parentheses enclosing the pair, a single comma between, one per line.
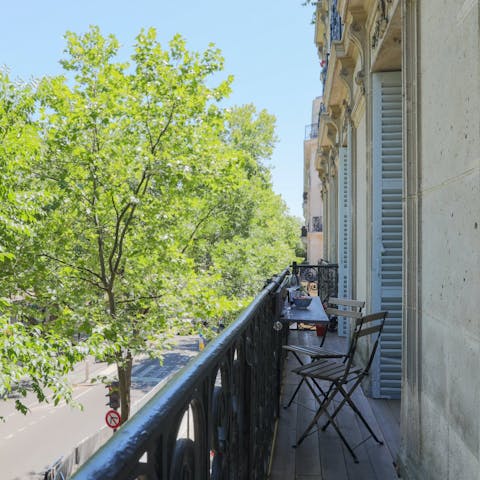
(294,393)
(322,409)
(348,400)
(300,384)
(320,401)
(344,440)
(341,404)
(357,411)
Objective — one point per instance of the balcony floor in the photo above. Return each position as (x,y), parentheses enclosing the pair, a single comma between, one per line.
(322,455)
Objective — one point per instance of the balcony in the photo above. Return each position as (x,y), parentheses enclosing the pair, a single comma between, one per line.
(311,131)
(221,416)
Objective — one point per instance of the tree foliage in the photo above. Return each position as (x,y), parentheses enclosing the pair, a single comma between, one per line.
(151,205)
(31,359)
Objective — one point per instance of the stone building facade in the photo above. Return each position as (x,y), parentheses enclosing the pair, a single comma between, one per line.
(398,155)
(312,186)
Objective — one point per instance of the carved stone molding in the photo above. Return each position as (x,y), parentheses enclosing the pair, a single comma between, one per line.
(381,23)
(346,75)
(328,132)
(347,112)
(360,81)
(332,163)
(357,33)
(322,162)
(347,122)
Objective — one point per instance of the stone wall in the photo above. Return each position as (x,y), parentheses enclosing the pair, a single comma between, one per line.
(441,414)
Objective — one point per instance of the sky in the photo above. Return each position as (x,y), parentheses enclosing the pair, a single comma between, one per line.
(267,44)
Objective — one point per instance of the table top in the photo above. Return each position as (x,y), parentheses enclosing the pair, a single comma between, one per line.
(314,313)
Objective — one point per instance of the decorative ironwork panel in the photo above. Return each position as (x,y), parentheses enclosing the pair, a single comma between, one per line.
(328,281)
(324,274)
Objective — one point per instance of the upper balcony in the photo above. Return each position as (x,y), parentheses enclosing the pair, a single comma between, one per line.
(221,416)
(311,131)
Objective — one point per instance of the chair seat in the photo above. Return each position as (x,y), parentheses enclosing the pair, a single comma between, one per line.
(313,352)
(327,369)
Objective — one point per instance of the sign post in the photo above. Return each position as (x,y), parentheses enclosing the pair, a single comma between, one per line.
(113,419)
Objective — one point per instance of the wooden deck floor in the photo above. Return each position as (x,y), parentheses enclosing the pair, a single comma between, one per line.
(322,455)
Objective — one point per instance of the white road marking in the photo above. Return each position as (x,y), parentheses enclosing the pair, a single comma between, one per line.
(8,437)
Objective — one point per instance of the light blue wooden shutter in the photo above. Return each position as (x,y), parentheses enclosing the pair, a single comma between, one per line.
(387,230)
(344,232)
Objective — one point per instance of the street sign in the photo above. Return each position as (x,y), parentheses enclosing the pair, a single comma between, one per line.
(113,419)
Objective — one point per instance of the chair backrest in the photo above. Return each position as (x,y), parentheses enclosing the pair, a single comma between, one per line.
(355,305)
(343,313)
(364,326)
(354,311)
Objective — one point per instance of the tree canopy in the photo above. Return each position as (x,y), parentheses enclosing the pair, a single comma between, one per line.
(144,202)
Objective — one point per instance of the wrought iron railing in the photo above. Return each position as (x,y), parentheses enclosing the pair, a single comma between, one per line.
(311,131)
(231,392)
(317,224)
(323,76)
(324,277)
(335,23)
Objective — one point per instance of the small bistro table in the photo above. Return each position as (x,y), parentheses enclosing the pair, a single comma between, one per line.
(313,314)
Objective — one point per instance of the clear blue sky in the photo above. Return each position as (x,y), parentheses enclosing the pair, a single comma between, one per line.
(267,44)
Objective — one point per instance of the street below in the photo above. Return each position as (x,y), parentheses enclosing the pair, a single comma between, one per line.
(30,443)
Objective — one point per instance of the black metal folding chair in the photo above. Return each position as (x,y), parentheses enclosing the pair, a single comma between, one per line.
(342,378)
(316,353)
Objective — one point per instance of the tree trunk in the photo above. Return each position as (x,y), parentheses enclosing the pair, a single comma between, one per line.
(124,369)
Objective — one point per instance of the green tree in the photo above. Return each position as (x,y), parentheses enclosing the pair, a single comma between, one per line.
(122,143)
(31,359)
(239,232)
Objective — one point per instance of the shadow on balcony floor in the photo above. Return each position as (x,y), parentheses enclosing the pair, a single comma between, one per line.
(322,456)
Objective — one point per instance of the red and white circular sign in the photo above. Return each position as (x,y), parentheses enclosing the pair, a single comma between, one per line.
(113,419)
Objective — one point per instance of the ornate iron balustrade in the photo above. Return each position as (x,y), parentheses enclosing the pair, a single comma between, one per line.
(324,276)
(335,23)
(232,391)
(323,77)
(311,131)
(317,224)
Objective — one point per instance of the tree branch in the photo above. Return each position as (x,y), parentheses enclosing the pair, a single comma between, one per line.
(75,267)
(149,297)
(120,233)
(164,129)
(197,226)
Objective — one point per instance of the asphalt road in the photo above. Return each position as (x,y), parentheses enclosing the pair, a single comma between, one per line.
(30,443)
